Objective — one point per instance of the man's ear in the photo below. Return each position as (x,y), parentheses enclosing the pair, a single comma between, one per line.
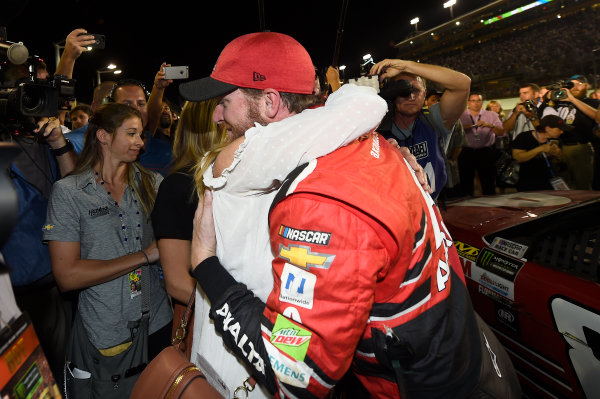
(273,102)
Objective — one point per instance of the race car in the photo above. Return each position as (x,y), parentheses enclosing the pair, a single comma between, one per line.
(531,262)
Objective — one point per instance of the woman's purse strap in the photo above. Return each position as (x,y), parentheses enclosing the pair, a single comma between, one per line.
(181,331)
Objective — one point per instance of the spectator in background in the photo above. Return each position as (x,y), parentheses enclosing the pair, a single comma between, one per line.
(495,106)
(524,117)
(537,151)
(80,115)
(481,128)
(578,153)
(100,96)
(33,172)
(426,132)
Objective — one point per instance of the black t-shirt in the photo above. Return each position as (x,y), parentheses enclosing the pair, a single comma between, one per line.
(582,124)
(535,173)
(176,203)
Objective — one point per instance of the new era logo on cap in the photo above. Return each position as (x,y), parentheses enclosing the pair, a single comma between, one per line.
(257,77)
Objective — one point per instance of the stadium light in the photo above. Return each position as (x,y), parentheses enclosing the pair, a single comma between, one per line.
(111,68)
(449,5)
(415,22)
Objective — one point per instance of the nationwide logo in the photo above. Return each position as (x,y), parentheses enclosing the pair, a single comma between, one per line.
(308,236)
(257,77)
(303,257)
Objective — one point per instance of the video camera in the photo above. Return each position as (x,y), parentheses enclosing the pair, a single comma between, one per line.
(36,97)
(24,97)
(557,92)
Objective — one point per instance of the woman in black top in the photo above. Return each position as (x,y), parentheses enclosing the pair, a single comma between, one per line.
(196,142)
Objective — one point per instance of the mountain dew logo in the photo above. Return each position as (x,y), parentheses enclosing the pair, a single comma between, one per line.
(289,338)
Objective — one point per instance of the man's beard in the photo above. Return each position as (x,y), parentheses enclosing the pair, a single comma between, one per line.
(164,122)
(252,115)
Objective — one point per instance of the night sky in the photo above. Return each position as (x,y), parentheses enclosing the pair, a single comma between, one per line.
(139,35)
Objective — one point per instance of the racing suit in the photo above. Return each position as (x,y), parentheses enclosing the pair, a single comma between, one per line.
(365,276)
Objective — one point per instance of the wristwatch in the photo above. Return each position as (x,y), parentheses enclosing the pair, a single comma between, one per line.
(62,150)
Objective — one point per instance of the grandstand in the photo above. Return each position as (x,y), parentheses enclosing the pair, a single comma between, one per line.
(543,41)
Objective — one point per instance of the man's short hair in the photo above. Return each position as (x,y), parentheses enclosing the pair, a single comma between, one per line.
(532,86)
(82,107)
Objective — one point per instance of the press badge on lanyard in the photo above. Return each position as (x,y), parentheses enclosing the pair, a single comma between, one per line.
(135,284)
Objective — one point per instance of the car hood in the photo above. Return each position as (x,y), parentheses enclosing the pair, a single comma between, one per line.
(481,216)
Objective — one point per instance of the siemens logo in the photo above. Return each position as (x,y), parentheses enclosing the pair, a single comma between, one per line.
(308,236)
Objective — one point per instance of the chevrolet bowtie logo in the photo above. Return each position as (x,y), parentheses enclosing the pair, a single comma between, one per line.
(303,257)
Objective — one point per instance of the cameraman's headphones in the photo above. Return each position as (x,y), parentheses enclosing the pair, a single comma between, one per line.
(125,82)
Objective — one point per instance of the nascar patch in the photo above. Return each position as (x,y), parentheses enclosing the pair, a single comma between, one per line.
(290,338)
(308,236)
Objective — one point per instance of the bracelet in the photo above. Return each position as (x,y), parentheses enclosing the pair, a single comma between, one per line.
(62,150)
(146,256)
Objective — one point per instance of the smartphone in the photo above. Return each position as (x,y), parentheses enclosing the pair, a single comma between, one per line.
(176,72)
(100,40)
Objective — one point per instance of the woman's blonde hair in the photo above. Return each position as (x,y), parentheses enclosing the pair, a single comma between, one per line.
(197,140)
(110,117)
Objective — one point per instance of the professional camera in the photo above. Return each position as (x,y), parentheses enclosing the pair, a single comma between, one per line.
(557,92)
(529,106)
(36,97)
(397,88)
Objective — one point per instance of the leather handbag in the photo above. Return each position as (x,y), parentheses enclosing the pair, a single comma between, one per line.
(171,375)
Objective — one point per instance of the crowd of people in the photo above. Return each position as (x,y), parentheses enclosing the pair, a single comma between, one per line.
(301,216)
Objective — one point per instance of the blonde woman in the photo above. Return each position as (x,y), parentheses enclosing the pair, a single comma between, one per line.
(196,135)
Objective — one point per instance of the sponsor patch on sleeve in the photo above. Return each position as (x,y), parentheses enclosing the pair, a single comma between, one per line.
(297,286)
(290,338)
(287,370)
(303,256)
(307,236)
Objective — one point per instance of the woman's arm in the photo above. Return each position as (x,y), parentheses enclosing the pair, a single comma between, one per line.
(175,261)
(72,273)
(524,155)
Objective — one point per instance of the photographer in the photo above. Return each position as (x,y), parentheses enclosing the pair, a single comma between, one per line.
(571,104)
(425,131)
(46,155)
(524,117)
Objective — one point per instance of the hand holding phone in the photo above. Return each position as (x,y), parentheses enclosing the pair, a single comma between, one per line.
(99,40)
(176,72)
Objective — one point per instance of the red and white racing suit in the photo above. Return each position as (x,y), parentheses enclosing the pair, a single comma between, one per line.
(366,276)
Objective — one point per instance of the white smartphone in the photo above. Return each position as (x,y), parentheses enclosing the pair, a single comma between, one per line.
(176,72)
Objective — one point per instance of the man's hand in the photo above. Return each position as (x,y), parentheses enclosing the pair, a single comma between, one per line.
(50,129)
(75,44)
(388,68)
(204,241)
(159,80)
(412,161)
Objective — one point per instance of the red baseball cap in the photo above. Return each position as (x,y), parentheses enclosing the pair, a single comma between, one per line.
(258,61)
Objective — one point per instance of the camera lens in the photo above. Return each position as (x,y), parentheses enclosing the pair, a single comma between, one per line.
(33,99)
